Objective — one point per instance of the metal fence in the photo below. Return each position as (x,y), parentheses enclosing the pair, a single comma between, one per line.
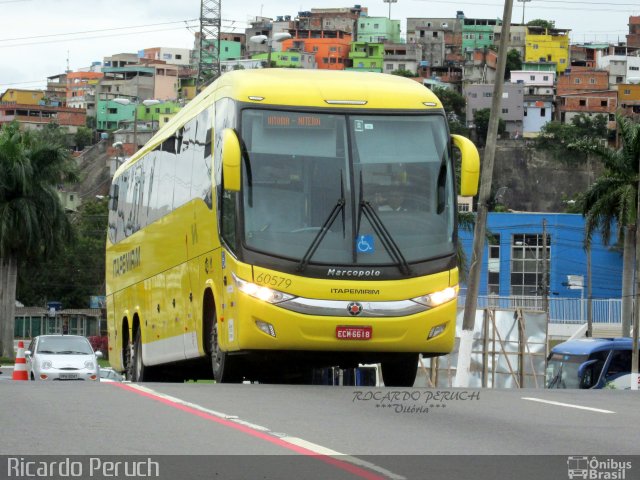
(561,310)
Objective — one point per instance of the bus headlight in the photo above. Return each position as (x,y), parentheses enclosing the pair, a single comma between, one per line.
(438,298)
(261,292)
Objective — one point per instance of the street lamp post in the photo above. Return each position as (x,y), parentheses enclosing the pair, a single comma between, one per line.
(264,40)
(390,2)
(150,103)
(146,103)
(119,152)
(524,2)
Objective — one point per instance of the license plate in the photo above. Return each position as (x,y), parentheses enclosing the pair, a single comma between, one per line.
(68,376)
(353,333)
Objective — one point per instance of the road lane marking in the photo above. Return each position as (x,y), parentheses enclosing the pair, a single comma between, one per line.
(569,405)
(356,466)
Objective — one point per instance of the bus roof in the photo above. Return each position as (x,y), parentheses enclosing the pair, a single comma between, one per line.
(586,346)
(302,88)
(316,88)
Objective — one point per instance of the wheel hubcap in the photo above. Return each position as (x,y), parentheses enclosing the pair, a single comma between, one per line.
(215,348)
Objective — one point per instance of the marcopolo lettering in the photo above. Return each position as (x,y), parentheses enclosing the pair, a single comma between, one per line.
(126,261)
(335,272)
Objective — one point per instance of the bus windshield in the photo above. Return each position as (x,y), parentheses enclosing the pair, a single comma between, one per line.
(562,370)
(395,167)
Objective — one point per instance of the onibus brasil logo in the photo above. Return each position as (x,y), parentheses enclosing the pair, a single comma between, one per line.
(597,468)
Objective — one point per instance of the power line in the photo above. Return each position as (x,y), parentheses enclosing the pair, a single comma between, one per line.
(539,7)
(95,31)
(89,38)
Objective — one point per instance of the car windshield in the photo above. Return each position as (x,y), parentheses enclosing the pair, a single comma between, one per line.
(354,176)
(562,370)
(64,346)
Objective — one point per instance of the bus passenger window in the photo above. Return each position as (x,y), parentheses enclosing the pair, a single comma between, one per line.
(620,364)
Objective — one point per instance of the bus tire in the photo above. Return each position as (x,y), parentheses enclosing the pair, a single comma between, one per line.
(401,371)
(139,372)
(225,368)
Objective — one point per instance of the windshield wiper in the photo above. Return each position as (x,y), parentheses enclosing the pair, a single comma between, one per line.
(364,207)
(339,207)
(46,351)
(72,352)
(555,379)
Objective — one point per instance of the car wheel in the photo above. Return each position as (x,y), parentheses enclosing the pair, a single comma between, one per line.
(401,371)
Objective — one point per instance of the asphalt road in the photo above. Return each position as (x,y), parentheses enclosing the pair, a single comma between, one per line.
(378,427)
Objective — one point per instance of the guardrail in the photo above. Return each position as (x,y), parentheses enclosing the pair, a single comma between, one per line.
(561,310)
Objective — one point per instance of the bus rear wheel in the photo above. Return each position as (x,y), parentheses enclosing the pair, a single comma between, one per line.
(400,371)
(138,369)
(225,368)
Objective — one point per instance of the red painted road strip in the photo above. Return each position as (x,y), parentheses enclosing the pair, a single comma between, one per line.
(347,467)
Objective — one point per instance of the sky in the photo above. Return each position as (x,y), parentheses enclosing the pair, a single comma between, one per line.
(39,38)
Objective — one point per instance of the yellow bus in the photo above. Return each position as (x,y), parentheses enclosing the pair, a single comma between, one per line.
(287,220)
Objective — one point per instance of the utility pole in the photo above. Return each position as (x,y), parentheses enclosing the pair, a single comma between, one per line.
(210,22)
(589,303)
(545,271)
(466,337)
(636,317)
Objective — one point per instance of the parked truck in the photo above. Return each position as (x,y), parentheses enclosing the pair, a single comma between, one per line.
(590,363)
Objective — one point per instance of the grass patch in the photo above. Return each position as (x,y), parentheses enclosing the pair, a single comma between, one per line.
(103,362)
(6,361)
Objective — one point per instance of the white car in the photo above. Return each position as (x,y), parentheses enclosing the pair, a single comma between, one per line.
(62,357)
(108,373)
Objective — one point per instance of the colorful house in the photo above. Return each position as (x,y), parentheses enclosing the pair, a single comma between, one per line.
(378,30)
(629,98)
(512,263)
(22,97)
(366,57)
(331,48)
(81,90)
(478,33)
(548,45)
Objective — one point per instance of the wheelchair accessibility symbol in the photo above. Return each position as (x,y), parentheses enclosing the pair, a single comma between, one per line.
(364,244)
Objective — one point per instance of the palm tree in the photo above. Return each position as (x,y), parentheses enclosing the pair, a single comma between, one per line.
(32,220)
(613,197)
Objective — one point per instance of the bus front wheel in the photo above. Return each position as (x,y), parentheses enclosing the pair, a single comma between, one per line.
(400,371)
(225,368)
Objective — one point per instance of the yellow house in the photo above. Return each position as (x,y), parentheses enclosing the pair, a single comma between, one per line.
(22,97)
(629,98)
(548,45)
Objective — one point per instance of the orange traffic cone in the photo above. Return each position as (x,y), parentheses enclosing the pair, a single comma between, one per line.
(20,368)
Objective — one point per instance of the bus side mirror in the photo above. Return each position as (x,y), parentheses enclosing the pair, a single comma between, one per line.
(231,156)
(585,374)
(470,168)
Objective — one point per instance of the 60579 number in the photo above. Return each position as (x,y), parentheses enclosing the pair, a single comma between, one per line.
(273,280)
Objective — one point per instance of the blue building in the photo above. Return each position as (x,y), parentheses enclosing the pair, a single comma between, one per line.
(512,264)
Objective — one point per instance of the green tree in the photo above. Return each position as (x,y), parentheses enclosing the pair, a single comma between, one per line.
(83,137)
(556,137)
(613,198)
(76,272)
(32,219)
(481,121)
(539,22)
(454,106)
(451,100)
(404,73)
(514,62)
